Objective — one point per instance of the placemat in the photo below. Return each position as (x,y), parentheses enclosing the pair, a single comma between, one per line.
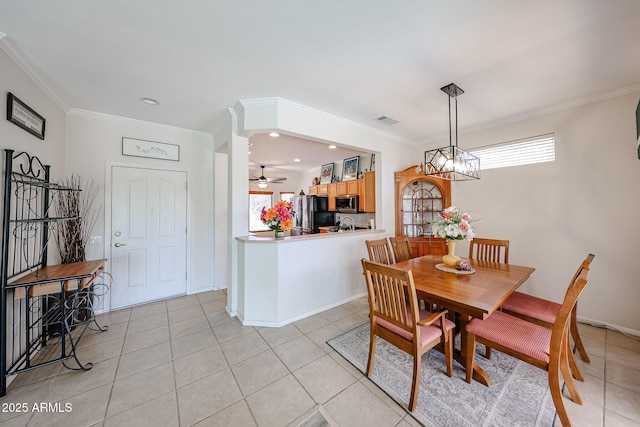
(445,268)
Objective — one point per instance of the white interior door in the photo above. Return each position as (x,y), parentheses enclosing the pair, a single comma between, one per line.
(148,235)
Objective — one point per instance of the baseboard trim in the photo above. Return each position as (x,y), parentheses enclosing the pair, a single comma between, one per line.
(601,324)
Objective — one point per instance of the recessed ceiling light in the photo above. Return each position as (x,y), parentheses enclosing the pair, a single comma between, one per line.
(332,147)
(274,134)
(149,101)
(296,160)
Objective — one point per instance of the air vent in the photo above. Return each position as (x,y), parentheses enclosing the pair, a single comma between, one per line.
(387,120)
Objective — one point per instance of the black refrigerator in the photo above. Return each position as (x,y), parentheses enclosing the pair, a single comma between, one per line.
(311,212)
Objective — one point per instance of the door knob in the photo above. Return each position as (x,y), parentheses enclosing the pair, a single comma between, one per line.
(117,245)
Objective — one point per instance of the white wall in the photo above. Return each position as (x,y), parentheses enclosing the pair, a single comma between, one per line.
(94,141)
(555,213)
(51,149)
(221,219)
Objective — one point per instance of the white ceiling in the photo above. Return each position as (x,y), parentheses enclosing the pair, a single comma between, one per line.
(358,59)
(279,154)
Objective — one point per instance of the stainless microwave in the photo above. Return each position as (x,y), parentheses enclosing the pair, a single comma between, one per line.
(347,204)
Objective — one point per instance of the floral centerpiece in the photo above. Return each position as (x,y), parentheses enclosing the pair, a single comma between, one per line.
(278,218)
(453,224)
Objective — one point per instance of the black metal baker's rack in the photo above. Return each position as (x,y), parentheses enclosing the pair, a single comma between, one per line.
(41,322)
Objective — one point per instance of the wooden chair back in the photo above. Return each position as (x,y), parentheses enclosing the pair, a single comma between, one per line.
(379,251)
(401,248)
(493,250)
(573,324)
(585,264)
(558,359)
(391,291)
(394,317)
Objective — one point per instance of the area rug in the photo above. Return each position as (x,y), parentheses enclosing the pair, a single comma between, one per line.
(518,396)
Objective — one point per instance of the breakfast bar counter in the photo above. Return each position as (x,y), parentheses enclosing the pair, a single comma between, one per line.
(281,281)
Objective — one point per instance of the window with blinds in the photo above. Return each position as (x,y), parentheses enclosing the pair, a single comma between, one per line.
(537,149)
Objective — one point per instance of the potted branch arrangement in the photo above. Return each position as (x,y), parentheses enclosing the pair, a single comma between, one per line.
(72,234)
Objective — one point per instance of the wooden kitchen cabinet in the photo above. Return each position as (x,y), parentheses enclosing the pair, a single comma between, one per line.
(348,188)
(332,192)
(365,188)
(318,190)
(352,187)
(367,192)
(418,200)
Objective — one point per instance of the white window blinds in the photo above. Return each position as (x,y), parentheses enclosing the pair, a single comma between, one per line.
(537,149)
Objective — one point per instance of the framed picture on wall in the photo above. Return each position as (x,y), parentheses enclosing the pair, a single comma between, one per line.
(20,114)
(326,173)
(350,168)
(151,149)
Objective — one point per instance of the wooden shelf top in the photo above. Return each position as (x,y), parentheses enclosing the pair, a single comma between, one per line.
(59,272)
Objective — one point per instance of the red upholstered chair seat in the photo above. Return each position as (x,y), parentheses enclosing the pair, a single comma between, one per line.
(427,333)
(531,306)
(517,334)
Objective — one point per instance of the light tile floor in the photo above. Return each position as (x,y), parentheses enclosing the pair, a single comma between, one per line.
(185,362)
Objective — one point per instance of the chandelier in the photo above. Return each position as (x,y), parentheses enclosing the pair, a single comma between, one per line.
(452,163)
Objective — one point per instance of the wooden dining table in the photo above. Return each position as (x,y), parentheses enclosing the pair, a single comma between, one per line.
(475,295)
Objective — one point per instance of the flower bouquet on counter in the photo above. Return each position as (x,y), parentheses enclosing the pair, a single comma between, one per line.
(278,217)
(453,224)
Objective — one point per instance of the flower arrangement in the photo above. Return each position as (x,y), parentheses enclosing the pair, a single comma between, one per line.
(278,217)
(453,224)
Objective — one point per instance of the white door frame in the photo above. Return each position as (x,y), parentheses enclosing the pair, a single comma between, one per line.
(107,215)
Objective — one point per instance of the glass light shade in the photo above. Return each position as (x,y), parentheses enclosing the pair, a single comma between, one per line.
(451,163)
(262,184)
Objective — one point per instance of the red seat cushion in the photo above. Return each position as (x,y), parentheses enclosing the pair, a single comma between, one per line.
(427,333)
(517,334)
(531,306)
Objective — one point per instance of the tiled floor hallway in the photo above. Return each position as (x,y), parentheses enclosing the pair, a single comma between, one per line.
(185,362)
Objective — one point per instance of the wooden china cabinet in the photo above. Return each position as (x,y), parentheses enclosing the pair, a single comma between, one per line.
(418,199)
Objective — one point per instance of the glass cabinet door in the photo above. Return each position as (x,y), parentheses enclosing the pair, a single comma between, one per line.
(421,201)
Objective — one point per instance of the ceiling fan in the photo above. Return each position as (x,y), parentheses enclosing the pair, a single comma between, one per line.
(263,181)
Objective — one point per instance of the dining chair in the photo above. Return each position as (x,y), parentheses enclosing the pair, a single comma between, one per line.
(379,251)
(544,312)
(401,248)
(532,343)
(494,250)
(396,318)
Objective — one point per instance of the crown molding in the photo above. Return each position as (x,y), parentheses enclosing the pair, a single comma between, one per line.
(21,60)
(592,99)
(129,121)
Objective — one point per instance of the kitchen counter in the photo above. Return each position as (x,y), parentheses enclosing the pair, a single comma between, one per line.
(256,239)
(338,229)
(282,281)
